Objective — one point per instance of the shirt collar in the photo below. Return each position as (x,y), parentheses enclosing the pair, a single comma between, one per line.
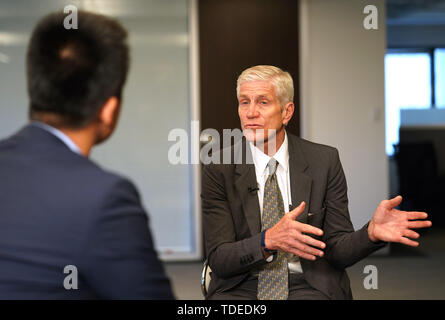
(59,134)
(261,159)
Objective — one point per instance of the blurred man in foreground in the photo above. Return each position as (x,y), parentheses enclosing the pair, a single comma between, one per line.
(59,211)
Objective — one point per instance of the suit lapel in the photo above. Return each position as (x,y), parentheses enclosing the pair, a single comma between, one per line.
(300,183)
(245,179)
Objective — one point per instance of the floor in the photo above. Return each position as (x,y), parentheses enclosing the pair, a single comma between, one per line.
(402,272)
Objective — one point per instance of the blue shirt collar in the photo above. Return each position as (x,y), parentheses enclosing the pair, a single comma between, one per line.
(59,134)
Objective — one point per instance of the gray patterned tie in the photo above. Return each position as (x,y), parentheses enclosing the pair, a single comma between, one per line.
(273,277)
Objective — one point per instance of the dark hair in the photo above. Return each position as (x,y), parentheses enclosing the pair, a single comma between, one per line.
(73,72)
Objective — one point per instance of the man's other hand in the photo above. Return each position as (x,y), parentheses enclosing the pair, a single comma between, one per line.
(287,235)
(392,225)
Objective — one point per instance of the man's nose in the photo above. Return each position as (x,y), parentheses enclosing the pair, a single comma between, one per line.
(252,112)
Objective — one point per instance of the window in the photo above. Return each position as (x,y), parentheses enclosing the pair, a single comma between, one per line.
(439,76)
(414,79)
(407,85)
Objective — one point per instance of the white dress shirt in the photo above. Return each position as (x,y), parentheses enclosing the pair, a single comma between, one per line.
(260,160)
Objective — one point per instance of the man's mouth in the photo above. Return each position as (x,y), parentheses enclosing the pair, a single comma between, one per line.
(253,126)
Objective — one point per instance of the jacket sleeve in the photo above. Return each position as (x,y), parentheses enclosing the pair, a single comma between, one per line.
(227,255)
(344,246)
(120,259)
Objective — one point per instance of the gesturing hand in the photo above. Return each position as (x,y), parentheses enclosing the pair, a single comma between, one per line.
(287,235)
(392,225)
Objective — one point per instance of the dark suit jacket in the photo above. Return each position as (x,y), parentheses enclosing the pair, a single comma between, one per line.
(232,222)
(58,208)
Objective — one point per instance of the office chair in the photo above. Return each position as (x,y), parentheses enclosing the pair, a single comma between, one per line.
(419,182)
(206,276)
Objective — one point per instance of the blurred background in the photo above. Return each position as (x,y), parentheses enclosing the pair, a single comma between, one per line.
(377,95)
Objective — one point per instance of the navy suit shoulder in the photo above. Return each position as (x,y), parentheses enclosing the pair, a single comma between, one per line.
(58,208)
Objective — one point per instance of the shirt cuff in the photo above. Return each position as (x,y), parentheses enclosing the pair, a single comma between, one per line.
(263,242)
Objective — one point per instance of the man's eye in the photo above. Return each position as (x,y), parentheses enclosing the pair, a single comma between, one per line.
(264,102)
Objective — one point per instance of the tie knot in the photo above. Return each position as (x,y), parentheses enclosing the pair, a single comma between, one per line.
(272,166)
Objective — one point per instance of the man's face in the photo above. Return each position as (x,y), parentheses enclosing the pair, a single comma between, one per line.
(260,111)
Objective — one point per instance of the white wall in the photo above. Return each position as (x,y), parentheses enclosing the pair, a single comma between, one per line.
(342,94)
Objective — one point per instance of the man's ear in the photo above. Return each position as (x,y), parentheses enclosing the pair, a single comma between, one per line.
(288,112)
(108,113)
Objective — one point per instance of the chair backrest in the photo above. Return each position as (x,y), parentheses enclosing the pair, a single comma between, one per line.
(416,166)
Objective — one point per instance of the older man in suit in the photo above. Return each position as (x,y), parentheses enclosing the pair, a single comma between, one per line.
(69,229)
(277,224)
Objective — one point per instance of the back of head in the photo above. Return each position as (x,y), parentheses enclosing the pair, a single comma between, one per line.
(73,72)
(281,80)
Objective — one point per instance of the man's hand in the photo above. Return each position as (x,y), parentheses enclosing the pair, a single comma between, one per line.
(392,225)
(287,235)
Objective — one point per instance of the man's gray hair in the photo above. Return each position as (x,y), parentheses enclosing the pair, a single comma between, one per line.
(281,81)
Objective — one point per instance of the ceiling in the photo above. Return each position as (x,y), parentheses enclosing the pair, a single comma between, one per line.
(398,12)
(415,12)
